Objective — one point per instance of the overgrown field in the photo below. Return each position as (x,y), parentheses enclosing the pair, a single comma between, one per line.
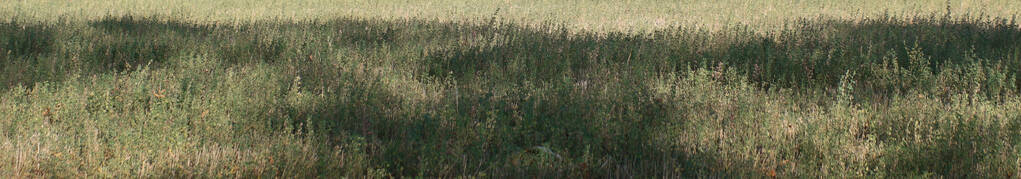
(933,95)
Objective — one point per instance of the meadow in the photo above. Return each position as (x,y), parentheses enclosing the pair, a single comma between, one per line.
(510,89)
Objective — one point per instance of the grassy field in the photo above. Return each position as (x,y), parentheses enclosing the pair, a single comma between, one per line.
(578,89)
(598,15)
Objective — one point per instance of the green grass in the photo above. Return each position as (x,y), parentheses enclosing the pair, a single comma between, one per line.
(347,93)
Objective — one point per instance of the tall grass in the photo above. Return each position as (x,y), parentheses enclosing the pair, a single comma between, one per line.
(148,96)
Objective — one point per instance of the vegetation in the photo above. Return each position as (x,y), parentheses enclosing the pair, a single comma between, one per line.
(152,95)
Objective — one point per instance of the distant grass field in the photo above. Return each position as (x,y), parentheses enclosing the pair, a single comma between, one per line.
(547,89)
(599,15)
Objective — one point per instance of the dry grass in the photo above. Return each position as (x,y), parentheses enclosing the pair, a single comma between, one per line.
(599,15)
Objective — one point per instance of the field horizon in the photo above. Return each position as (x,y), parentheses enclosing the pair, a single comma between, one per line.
(510,89)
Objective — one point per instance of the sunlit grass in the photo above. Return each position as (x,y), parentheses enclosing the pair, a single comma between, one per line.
(599,15)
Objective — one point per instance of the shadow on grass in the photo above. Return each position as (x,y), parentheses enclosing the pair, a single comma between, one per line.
(809,55)
(812,54)
(21,46)
(25,40)
(554,131)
